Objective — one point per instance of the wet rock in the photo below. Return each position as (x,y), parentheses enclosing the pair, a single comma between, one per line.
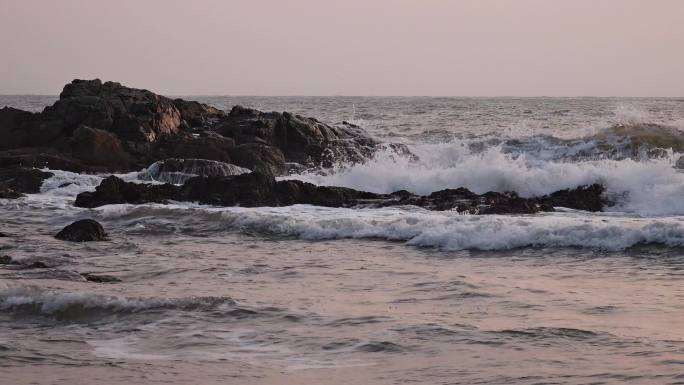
(588,198)
(17,181)
(85,230)
(113,190)
(6,260)
(263,158)
(100,278)
(178,171)
(256,189)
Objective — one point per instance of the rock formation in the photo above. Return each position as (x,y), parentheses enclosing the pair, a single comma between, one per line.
(256,189)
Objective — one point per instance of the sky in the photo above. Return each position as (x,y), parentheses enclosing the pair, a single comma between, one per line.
(349,47)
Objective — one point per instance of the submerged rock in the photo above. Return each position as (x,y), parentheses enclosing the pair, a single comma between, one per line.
(85,230)
(257,189)
(100,278)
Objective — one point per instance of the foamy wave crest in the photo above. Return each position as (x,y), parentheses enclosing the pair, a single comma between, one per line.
(647,186)
(35,301)
(451,231)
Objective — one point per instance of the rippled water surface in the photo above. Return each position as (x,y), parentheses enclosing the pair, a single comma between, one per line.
(311,295)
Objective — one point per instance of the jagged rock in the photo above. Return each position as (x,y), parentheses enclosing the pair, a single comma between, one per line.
(256,189)
(85,230)
(96,127)
(178,171)
(132,114)
(302,140)
(197,114)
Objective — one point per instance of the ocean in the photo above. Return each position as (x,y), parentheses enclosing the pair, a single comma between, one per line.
(401,295)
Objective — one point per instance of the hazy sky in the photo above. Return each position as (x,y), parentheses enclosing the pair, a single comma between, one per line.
(347,47)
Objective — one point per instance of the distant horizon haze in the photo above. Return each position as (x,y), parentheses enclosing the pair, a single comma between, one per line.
(440,48)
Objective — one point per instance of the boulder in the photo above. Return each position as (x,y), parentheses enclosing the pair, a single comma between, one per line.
(85,230)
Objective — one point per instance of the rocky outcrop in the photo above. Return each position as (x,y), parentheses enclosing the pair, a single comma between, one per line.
(85,230)
(17,181)
(96,127)
(257,189)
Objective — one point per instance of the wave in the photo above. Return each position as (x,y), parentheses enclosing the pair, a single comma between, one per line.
(32,301)
(649,185)
(443,230)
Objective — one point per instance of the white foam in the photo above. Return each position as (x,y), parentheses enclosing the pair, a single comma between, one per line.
(451,231)
(649,186)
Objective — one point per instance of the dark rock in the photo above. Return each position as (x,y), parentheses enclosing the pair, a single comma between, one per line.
(85,230)
(12,124)
(105,127)
(4,235)
(178,171)
(263,158)
(36,265)
(301,140)
(588,198)
(99,148)
(203,145)
(17,181)
(197,114)
(7,260)
(100,278)
(132,114)
(256,189)
(8,193)
(113,190)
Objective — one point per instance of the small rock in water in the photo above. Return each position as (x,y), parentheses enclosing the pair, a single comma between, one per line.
(100,278)
(36,265)
(6,260)
(85,230)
